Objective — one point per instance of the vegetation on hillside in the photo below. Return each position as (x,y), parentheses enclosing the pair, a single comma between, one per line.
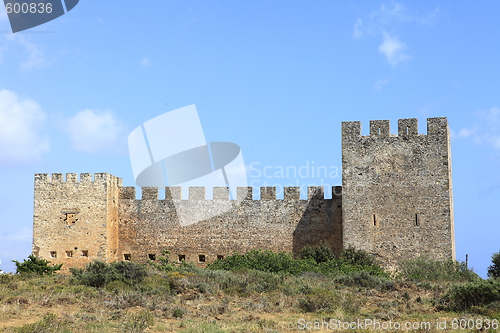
(259,291)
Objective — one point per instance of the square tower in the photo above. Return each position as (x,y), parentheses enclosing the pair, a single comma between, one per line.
(397,193)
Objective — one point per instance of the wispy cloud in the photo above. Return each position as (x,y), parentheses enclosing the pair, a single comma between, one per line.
(25,234)
(380,83)
(146,62)
(386,19)
(427,109)
(393,49)
(484,129)
(358,28)
(97,132)
(21,124)
(31,55)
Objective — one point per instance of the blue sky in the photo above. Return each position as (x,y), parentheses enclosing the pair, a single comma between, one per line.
(275,77)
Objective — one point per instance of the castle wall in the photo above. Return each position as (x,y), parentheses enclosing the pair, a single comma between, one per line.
(149,225)
(397,190)
(74,221)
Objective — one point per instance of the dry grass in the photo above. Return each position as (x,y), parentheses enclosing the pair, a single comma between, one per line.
(208,301)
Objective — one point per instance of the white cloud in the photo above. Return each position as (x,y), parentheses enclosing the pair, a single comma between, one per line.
(380,83)
(358,28)
(146,62)
(393,49)
(485,128)
(96,132)
(388,18)
(21,120)
(32,55)
(465,132)
(25,234)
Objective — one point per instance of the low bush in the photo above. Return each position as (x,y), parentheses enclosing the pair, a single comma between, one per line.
(138,322)
(98,274)
(267,261)
(313,260)
(479,293)
(49,324)
(320,253)
(427,269)
(362,279)
(34,265)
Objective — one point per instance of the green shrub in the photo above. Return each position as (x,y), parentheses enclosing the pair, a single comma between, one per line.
(266,261)
(479,293)
(355,257)
(98,274)
(49,324)
(138,322)
(494,269)
(36,266)
(320,253)
(178,313)
(350,261)
(427,269)
(362,279)
(320,300)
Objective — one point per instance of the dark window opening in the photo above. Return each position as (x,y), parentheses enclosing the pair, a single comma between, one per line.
(182,257)
(69,254)
(375,220)
(201,258)
(85,253)
(417,222)
(53,254)
(127,257)
(152,257)
(220,257)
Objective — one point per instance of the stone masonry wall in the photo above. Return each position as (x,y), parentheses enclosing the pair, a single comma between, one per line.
(149,226)
(74,220)
(397,190)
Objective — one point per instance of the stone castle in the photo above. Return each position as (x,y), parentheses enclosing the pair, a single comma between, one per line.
(395,202)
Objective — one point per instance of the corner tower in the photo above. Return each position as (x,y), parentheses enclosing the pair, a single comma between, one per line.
(75,222)
(397,198)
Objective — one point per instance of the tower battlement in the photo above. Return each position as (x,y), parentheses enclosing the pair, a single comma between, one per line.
(85,178)
(406,128)
(222,193)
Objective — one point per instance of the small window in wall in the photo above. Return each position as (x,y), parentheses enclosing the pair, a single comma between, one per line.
(375,220)
(85,253)
(379,131)
(53,254)
(182,257)
(407,130)
(152,257)
(69,254)
(417,220)
(127,257)
(201,258)
(220,257)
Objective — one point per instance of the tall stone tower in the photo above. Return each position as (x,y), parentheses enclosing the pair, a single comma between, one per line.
(397,198)
(74,221)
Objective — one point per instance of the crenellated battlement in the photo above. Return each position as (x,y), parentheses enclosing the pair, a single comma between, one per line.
(85,178)
(406,128)
(222,193)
